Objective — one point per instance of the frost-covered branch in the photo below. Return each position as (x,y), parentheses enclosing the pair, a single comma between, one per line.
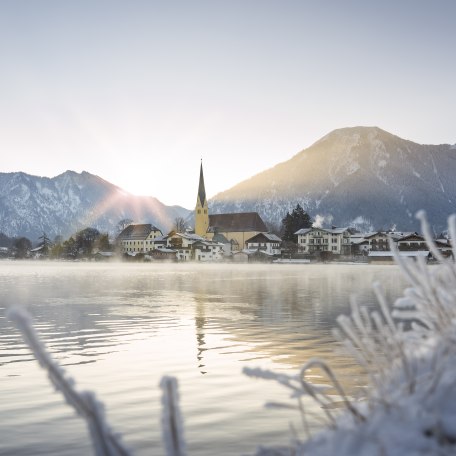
(104,441)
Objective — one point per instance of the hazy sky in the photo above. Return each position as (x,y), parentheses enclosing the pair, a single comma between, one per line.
(138,91)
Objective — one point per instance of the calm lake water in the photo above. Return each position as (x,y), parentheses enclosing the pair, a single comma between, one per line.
(118,328)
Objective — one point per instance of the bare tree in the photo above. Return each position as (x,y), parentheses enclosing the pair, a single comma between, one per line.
(123,224)
(179,224)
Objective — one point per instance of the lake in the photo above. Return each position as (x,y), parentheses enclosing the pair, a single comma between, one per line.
(118,328)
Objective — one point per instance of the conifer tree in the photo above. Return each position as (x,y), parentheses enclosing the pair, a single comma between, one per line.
(293,222)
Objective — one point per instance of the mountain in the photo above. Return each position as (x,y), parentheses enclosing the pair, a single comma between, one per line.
(363,177)
(66,203)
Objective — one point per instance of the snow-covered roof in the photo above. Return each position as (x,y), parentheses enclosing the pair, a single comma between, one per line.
(303,231)
(362,235)
(326,230)
(218,237)
(357,241)
(189,236)
(268,236)
(399,236)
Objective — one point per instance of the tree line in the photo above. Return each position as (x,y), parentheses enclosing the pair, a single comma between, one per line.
(82,244)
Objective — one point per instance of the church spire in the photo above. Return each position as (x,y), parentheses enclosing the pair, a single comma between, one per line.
(201,189)
(201,209)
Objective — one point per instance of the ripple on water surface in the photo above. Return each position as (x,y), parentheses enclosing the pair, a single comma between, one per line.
(118,329)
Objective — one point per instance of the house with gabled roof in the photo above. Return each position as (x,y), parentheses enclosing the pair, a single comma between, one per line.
(138,238)
(265,242)
(191,247)
(335,240)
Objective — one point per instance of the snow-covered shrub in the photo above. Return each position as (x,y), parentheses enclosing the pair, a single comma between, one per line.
(409,355)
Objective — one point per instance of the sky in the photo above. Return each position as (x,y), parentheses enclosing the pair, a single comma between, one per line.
(139,92)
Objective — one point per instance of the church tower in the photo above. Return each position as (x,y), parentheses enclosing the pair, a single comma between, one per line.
(201,209)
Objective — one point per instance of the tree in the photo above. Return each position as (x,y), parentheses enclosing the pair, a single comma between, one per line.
(123,224)
(85,240)
(22,246)
(45,244)
(179,225)
(103,243)
(293,222)
(70,248)
(5,241)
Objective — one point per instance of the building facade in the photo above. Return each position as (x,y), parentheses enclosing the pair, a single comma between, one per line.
(266,242)
(312,240)
(138,238)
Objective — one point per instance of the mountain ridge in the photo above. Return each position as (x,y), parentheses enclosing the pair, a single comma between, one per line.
(364,177)
(357,176)
(61,205)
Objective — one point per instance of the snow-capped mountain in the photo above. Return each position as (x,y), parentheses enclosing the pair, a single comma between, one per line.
(361,176)
(66,203)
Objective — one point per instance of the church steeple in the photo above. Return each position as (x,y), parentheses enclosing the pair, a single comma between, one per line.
(201,209)
(201,189)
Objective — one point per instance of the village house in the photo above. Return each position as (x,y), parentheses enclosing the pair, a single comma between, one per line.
(411,241)
(335,240)
(359,244)
(207,251)
(266,242)
(138,238)
(190,246)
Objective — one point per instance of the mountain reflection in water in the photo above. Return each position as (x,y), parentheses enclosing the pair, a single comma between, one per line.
(117,328)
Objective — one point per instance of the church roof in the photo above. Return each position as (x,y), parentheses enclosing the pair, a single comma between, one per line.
(201,188)
(238,221)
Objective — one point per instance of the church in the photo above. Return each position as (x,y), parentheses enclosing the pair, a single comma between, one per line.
(235,228)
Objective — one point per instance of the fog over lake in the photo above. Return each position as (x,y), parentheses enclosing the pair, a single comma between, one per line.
(118,328)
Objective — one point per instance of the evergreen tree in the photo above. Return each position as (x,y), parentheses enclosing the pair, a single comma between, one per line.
(45,243)
(293,222)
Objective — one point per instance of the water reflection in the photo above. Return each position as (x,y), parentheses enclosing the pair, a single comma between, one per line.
(118,328)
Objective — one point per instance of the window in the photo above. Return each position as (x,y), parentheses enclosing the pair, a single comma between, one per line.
(334,240)
(199,211)
(334,247)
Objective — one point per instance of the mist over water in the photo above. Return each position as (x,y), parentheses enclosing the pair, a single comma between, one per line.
(118,328)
